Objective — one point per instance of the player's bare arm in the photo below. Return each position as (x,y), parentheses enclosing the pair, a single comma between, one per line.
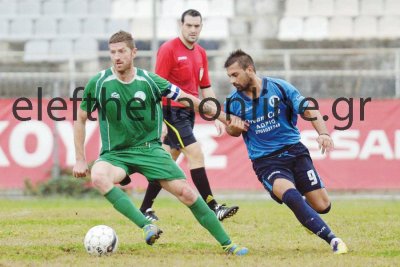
(236,126)
(324,140)
(209,93)
(81,168)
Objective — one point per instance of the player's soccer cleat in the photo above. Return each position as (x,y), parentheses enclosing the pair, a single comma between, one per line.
(150,215)
(338,246)
(235,249)
(151,233)
(223,212)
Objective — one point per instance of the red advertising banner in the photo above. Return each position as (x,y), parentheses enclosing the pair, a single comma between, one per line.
(366,136)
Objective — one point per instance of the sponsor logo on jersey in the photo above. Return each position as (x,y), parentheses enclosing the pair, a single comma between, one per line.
(115,95)
(182,58)
(141,95)
(272,100)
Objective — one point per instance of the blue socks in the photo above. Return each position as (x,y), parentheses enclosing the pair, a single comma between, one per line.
(307,215)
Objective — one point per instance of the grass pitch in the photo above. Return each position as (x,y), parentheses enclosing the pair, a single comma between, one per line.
(50,232)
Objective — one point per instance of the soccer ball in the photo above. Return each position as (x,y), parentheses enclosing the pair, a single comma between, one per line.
(101,240)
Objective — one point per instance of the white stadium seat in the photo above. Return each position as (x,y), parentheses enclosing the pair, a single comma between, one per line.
(297,7)
(45,27)
(60,50)
(365,27)
(389,27)
(199,5)
(346,8)
(36,51)
(28,7)
(224,8)
(315,28)
(215,28)
(85,49)
(167,28)
(290,28)
(100,7)
(143,9)
(172,8)
(372,7)
(8,8)
(264,27)
(3,28)
(341,28)
(122,9)
(321,7)
(69,27)
(94,26)
(142,29)
(21,28)
(53,7)
(392,7)
(76,7)
(114,25)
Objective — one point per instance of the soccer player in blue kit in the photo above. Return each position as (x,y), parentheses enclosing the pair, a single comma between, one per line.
(269,109)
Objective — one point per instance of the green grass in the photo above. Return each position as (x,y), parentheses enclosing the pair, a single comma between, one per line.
(49,232)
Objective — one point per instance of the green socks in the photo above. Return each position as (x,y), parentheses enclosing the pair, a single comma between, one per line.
(208,220)
(124,205)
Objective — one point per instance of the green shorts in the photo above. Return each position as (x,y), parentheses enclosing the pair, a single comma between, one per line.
(151,160)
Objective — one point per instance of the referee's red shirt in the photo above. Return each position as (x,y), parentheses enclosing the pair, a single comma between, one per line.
(186,68)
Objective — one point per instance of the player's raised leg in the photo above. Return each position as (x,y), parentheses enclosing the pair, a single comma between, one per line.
(182,190)
(104,175)
(308,217)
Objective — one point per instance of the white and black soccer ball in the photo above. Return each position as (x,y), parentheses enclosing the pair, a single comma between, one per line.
(101,240)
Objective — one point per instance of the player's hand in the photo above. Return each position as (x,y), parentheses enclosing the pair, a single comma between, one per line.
(220,126)
(80,169)
(325,143)
(236,126)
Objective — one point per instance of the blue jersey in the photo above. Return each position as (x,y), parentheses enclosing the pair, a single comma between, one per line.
(272,116)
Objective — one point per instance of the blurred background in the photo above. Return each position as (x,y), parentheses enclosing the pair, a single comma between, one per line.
(326,48)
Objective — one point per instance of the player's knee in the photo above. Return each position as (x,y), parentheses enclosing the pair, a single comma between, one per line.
(100,181)
(187,195)
(323,207)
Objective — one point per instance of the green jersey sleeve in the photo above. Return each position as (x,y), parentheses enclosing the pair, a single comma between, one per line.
(89,95)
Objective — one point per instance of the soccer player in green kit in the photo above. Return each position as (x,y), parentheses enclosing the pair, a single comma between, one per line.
(127,99)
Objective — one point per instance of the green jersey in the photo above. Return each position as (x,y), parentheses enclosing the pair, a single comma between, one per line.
(129,113)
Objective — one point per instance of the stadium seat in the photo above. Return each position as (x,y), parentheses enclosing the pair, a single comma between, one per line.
(321,8)
(36,51)
(200,5)
(3,28)
(224,8)
(372,7)
(346,8)
(242,9)
(69,27)
(388,27)
(215,28)
(28,7)
(45,27)
(76,7)
(238,26)
(167,28)
(142,29)
(122,9)
(53,7)
(85,49)
(392,7)
(290,28)
(60,50)
(297,8)
(315,28)
(365,27)
(341,28)
(94,27)
(114,25)
(264,27)
(21,28)
(8,8)
(100,7)
(143,9)
(172,8)
(271,7)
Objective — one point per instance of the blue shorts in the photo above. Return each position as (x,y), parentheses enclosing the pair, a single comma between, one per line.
(180,123)
(293,163)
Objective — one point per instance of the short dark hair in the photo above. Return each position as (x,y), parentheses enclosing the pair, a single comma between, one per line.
(244,60)
(122,36)
(192,13)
